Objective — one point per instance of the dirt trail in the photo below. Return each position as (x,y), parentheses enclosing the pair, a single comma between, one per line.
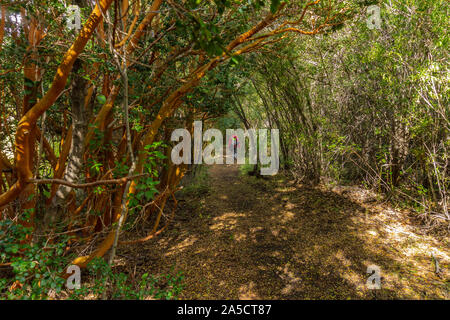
(250,238)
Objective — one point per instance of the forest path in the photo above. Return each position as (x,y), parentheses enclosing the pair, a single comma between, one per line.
(249,238)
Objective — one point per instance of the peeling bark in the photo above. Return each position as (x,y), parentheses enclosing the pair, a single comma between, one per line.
(75,159)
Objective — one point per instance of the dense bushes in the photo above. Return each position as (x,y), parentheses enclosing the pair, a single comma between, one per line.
(365,106)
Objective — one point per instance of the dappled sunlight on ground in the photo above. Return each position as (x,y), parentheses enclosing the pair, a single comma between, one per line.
(226,221)
(179,247)
(248,292)
(267,239)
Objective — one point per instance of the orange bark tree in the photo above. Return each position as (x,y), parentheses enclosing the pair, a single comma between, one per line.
(147,66)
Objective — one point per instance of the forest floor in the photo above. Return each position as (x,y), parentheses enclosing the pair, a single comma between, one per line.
(250,238)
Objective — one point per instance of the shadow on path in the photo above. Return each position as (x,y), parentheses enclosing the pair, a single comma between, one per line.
(250,238)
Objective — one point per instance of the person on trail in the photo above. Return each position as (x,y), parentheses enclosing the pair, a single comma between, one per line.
(234,143)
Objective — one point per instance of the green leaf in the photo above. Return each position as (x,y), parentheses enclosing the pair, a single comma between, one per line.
(101,99)
(274,5)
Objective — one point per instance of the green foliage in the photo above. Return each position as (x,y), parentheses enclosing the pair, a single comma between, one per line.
(36,269)
(244,169)
(36,272)
(118,286)
(196,183)
(101,99)
(228,122)
(97,140)
(360,105)
(146,186)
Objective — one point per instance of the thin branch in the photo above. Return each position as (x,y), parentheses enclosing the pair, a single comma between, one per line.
(89,184)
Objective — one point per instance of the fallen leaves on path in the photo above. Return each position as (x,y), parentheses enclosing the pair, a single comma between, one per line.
(251,238)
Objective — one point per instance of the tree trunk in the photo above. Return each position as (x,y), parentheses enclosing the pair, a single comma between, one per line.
(75,159)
